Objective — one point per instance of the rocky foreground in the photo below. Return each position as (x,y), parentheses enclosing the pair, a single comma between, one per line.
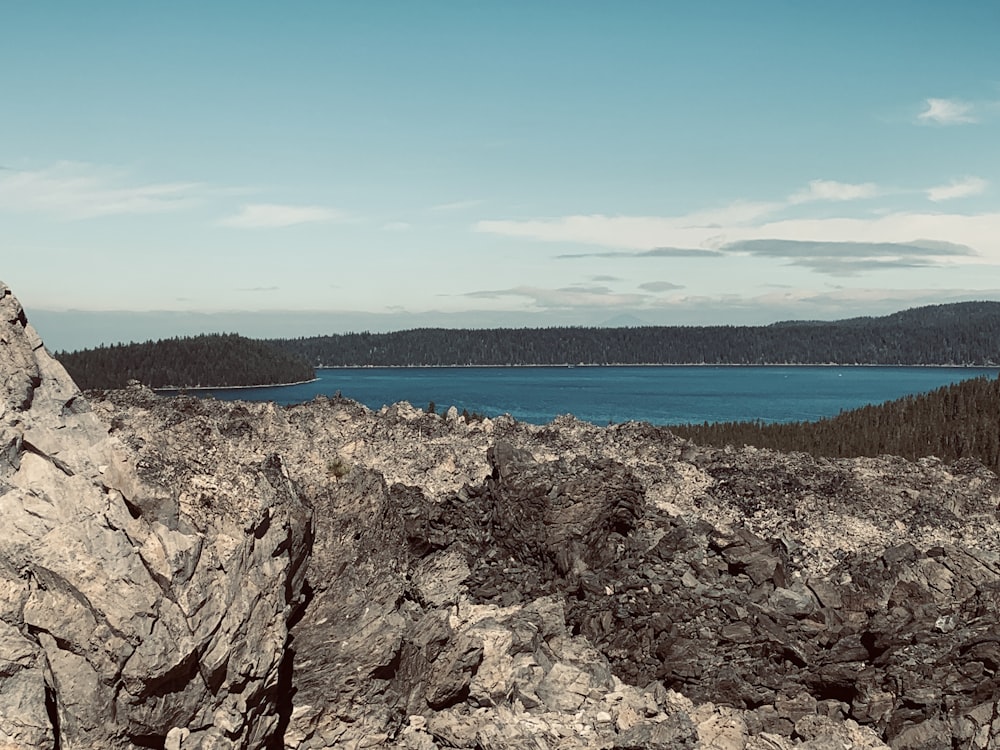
(184,573)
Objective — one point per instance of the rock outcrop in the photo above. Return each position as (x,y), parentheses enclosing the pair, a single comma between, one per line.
(188,573)
(502,585)
(132,615)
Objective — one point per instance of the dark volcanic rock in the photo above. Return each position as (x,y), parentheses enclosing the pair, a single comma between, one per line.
(187,573)
(555,578)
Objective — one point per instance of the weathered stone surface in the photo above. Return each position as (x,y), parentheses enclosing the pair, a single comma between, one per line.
(118,626)
(24,721)
(491,585)
(446,590)
(674,733)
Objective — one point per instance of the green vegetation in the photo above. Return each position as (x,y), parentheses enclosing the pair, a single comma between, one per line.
(954,422)
(213,360)
(966,333)
(337,467)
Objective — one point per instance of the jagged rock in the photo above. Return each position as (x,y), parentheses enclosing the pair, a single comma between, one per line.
(675,733)
(929,734)
(24,719)
(492,585)
(471,591)
(159,622)
(721,731)
(452,672)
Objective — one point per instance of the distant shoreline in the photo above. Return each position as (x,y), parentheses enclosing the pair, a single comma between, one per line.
(228,387)
(174,388)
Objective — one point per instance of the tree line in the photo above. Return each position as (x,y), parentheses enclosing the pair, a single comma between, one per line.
(958,421)
(217,360)
(965,333)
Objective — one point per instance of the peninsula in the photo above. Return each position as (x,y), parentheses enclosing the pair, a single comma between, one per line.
(206,361)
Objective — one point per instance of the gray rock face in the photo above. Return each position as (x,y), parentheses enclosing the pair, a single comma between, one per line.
(504,585)
(186,573)
(125,615)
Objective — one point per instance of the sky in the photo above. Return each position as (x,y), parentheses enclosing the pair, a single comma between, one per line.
(303,168)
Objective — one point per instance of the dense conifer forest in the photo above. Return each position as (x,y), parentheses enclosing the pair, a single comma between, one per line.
(209,360)
(966,333)
(958,421)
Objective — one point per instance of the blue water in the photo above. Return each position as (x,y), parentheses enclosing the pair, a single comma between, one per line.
(660,395)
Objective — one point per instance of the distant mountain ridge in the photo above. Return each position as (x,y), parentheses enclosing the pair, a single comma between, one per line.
(965,312)
(963,333)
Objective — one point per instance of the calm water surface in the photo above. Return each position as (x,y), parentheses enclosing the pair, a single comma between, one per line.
(660,395)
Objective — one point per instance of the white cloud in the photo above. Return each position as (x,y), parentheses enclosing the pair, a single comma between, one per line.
(837,258)
(396,226)
(737,212)
(852,258)
(958,189)
(75,190)
(947,112)
(831,190)
(694,230)
(639,236)
(272,215)
(975,231)
(656,252)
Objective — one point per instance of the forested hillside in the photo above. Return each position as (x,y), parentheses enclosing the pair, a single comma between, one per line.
(208,360)
(965,333)
(954,422)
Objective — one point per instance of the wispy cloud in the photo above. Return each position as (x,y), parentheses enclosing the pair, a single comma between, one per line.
(881,238)
(563,297)
(257,289)
(958,189)
(784,302)
(690,235)
(586,289)
(76,190)
(656,252)
(635,232)
(659,286)
(947,112)
(812,249)
(737,212)
(274,215)
(831,190)
(851,258)
(795,240)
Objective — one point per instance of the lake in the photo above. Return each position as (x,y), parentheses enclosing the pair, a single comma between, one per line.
(656,394)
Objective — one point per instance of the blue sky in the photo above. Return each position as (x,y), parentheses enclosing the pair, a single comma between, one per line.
(311,167)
